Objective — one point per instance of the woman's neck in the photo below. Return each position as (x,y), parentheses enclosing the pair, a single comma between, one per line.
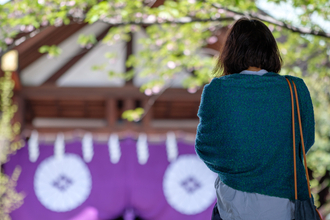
(253,68)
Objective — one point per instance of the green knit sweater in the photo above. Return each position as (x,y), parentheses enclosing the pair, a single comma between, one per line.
(245,133)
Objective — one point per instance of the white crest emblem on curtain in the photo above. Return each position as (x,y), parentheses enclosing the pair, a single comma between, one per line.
(62,184)
(189,185)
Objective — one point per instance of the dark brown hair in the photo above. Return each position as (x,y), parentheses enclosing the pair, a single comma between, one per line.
(249,43)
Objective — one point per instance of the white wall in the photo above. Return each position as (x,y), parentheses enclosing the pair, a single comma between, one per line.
(39,71)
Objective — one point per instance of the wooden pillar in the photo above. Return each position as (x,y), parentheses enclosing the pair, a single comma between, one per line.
(111,112)
(18,100)
(128,105)
(146,121)
(19,116)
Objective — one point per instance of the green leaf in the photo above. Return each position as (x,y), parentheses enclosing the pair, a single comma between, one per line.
(44,49)
(133,114)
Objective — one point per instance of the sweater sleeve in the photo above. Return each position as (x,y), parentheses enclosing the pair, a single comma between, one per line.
(306,112)
(205,135)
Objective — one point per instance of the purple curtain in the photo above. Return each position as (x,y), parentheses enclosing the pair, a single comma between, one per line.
(69,188)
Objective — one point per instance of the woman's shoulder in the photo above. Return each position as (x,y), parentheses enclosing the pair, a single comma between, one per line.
(253,80)
(302,89)
(294,78)
(299,82)
(216,81)
(213,85)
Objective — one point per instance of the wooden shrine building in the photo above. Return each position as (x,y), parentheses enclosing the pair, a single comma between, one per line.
(64,93)
(80,159)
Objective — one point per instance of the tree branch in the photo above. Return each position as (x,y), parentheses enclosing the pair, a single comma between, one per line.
(22,39)
(188,19)
(271,20)
(237,15)
(183,20)
(152,100)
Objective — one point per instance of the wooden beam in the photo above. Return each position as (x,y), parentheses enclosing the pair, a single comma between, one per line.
(29,50)
(115,129)
(55,76)
(50,92)
(111,112)
(26,45)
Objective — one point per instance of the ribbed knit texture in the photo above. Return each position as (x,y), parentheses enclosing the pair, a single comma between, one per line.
(245,133)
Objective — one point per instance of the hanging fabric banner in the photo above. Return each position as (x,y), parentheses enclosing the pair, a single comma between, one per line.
(158,180)
(33,146)
(114,148)
(171,147)
(87,147)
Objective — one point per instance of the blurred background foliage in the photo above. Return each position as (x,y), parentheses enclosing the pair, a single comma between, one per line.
(9,143)
(177,35)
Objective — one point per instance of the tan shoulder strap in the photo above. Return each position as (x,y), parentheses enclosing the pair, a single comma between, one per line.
(294,141)
(302,143)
